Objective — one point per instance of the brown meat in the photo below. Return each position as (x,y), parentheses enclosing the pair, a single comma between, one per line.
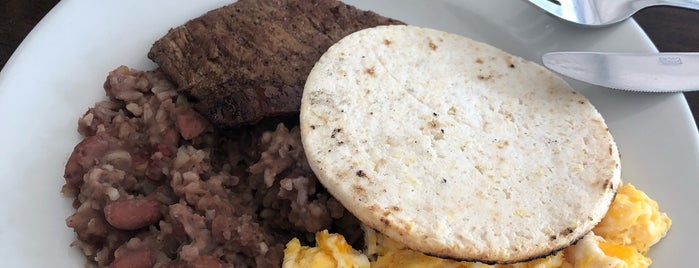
(249,60)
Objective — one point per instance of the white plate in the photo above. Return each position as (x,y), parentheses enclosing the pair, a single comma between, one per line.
(58,71)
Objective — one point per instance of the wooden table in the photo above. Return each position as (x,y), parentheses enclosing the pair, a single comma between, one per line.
(671,29)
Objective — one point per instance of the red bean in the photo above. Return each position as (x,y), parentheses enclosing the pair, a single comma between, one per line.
(133,214)
(142,258)
(85,155)
(206,261)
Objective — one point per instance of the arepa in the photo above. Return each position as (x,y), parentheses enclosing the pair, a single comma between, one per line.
(454,147)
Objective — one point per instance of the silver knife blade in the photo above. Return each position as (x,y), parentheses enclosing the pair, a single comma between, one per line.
(645,72)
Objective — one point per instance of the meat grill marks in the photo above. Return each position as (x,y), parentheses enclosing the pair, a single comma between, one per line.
(249,60)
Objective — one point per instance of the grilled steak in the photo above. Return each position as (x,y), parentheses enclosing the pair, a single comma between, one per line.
(249,60)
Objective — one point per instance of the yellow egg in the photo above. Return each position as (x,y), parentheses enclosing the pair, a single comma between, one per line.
(390,253)
(593,251)
(331,251)
(632,225)
(633,220)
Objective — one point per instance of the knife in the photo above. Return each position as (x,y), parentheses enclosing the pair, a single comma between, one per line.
(643,72)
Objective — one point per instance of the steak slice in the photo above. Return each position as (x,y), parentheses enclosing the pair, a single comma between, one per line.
(249,60)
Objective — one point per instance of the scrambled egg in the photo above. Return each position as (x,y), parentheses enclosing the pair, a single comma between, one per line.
(331,251)
(593,251)
(632,225)
(389,253)
(633,220)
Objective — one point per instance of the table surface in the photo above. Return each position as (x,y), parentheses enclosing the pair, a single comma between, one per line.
(671,30)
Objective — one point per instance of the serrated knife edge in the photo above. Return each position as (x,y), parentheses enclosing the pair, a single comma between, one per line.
(643,72)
